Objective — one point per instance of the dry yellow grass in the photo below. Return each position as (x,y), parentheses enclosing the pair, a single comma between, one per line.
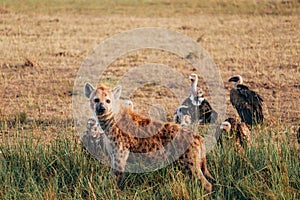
(41,54)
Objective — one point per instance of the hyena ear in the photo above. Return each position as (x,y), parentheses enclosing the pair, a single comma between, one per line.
(88,89)
(117,91)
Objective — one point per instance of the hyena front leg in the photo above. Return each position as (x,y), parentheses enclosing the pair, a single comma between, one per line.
(119,159)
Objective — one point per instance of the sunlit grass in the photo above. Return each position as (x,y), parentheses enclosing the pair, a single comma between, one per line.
(40,156)
(65,170)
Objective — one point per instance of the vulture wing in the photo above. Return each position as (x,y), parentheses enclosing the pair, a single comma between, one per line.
(248,104)
(244,133)
(206,113)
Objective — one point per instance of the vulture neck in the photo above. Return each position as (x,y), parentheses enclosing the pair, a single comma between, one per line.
(194,93)
(194,88)
(240,81)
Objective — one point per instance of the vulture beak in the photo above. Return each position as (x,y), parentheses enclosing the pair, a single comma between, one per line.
(222,127)
(192,78)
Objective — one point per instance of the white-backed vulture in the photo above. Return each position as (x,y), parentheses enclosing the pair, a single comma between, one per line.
(247,102)
(179,113)
(197,106)
(186,120)
(233,129)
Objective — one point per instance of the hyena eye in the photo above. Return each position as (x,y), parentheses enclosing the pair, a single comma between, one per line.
(96,100)
(107,101)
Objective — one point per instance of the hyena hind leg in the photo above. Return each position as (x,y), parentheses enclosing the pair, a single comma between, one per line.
(199,174)
(205,171)
(192,164)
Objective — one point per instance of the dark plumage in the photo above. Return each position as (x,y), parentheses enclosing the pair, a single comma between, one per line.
(206,113)
(202,113)
(247,102)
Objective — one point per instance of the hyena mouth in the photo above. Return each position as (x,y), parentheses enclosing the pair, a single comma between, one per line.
(100,109)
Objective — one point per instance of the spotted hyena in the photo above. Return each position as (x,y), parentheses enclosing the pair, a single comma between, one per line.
(128,132)
(93,138)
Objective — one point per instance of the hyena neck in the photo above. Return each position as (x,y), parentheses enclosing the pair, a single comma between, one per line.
(106,121)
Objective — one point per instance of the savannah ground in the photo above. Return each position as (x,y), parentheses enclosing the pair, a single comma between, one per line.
(44,43)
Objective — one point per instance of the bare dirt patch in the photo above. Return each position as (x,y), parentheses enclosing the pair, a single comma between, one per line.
(41,54)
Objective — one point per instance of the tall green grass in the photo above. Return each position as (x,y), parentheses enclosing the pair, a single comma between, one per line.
(264,170)
(268,169)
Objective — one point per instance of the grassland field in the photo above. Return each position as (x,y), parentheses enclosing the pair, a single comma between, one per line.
(44,43)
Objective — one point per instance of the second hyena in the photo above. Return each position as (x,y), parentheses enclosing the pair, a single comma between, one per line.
(128,132)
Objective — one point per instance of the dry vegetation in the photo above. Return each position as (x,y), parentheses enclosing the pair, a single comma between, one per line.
(41,53)
(43,45)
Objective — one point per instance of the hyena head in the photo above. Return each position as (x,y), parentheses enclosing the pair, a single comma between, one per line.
(102,99)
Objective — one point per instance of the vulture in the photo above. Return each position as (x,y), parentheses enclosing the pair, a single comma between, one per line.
(128,103)
(247,102)
(233,129)
(179,113)
(196,105)
(182,116)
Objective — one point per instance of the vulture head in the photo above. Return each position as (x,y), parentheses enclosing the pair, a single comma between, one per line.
(225,126)
(128,103)
(193,78)
(186,120)
(200,93)
(236,79)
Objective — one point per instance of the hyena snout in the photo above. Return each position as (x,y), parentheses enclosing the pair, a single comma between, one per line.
(100,109)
